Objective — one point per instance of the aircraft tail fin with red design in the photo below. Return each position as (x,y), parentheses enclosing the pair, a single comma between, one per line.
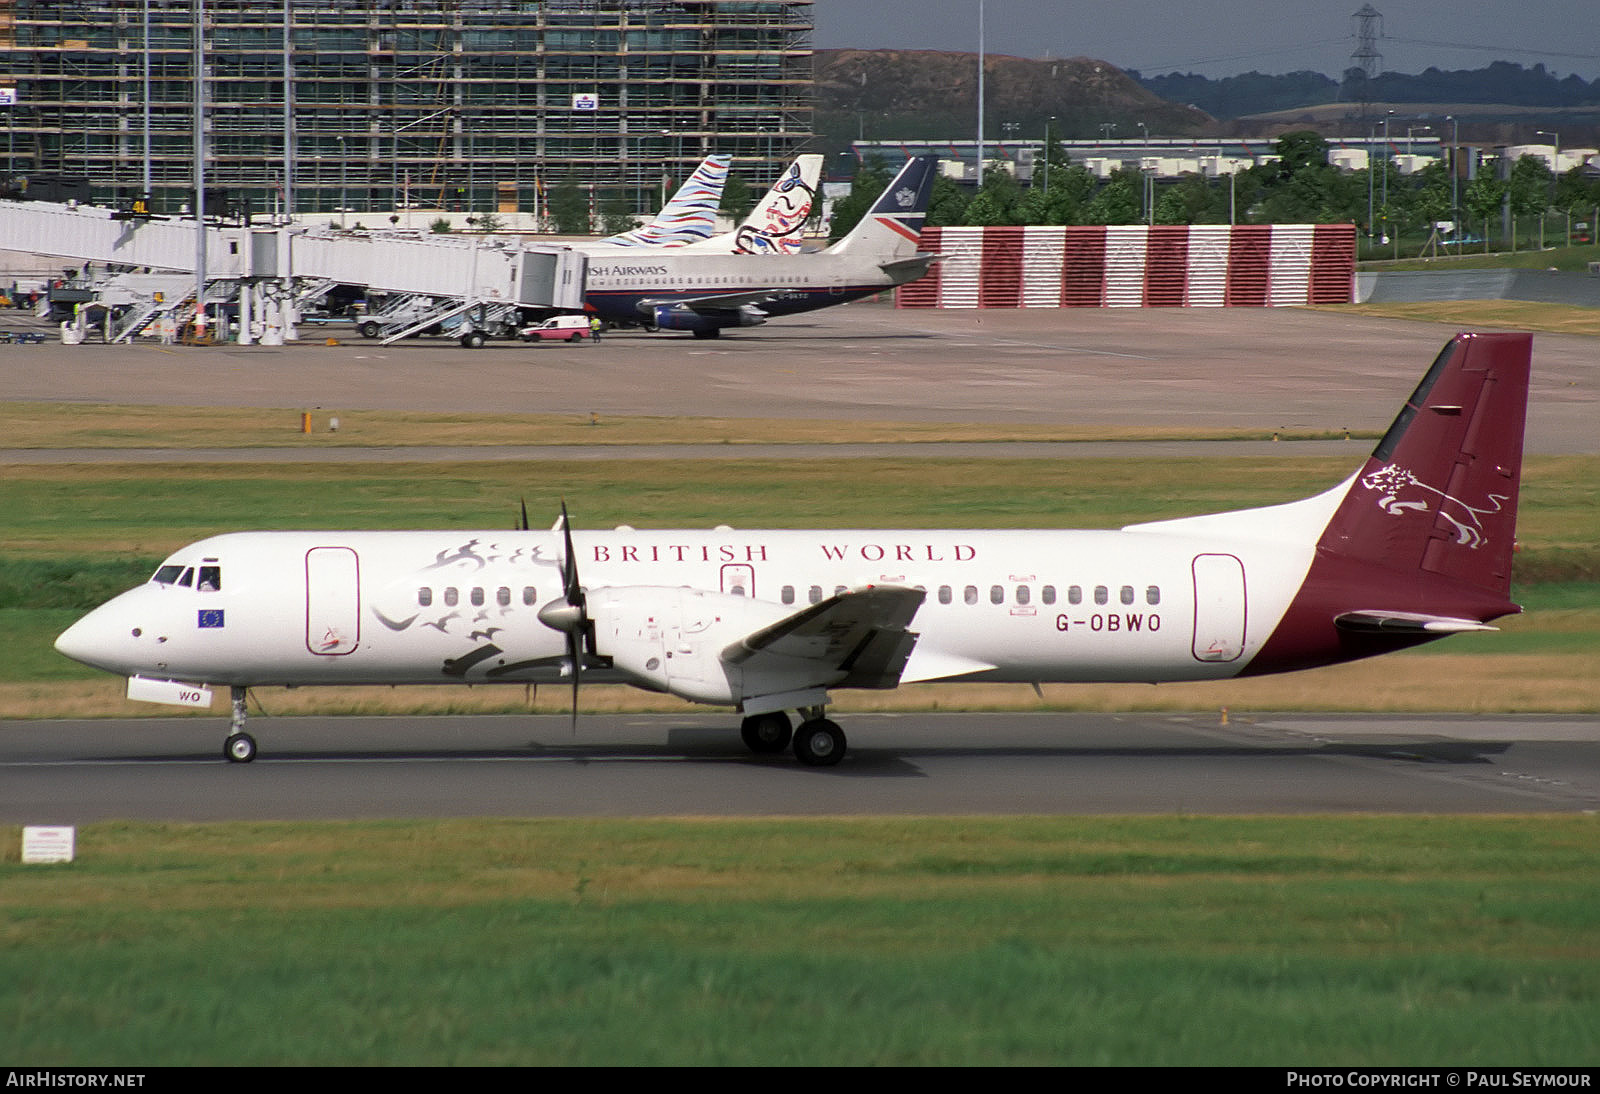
(1420,545)
(1439,493)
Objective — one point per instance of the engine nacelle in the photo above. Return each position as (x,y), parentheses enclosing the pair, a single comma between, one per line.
(676,317)
(671,639)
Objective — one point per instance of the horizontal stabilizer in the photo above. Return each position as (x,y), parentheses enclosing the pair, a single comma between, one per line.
(1374,622)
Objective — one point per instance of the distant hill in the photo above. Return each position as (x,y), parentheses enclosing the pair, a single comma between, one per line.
(1498,84)
(885,93)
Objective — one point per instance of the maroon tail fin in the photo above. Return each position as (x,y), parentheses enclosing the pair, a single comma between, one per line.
(1439,493)
(1420,546)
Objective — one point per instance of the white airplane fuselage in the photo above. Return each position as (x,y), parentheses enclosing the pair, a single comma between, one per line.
(303,608)
(621,287)
(1415,545)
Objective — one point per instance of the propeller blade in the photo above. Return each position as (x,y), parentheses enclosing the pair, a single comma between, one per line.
(569,562)
(573,618)
(575,652)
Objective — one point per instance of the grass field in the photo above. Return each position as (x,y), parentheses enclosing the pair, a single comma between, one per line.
(89,425)
(1376,941)
(1575,258)
(1381,941)
(1493,314)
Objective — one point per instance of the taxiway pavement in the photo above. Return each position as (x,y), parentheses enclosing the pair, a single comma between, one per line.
(1203,368)
(317,768)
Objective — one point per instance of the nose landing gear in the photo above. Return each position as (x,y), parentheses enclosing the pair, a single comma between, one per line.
(240,747)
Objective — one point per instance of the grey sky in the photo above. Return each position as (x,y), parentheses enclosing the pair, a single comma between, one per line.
(1227,37)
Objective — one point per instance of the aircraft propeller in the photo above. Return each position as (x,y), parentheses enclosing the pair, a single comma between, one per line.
(570,615)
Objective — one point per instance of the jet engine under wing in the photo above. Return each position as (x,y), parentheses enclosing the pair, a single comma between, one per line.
(860,635)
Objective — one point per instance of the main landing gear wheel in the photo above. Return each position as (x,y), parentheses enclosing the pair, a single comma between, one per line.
(767,734)
(819,743)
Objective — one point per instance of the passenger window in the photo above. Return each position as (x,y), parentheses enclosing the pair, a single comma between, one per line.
(1127,594)
(451,597)
(1074,594)
(997,594)
(788,594)
(1102,595)
(211,579)
(1048,594)
(502,597)
(477,597)
(815,595)
(1152,595)
(424,597)
(530,595)
(970,594)
(945,595)
(1023,595)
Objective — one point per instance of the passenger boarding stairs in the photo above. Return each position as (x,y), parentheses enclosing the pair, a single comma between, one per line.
(151,298)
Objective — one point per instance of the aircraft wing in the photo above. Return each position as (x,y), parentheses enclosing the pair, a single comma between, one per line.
(856,638)
(727,302)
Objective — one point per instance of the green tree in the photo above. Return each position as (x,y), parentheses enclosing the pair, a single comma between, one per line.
(998,201)
(1576,192)
(947,205)
(1300,186)
(1482,198)
(1432,188)
(871,179)
(1579,197)
(616,215)
(1529,190)
(1071,187)
(736,200)
(1117,202)
(1193,199)
(569,208)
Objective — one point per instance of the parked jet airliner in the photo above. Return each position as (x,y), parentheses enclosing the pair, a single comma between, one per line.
(774,225)
(690,216)
(684,289)
(1415,545)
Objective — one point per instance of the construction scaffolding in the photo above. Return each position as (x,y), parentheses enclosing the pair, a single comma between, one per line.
(465,105)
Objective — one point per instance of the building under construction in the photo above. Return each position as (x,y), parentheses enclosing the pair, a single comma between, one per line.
(467,105)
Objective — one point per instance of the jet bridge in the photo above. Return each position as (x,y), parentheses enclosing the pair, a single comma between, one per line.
(460,273)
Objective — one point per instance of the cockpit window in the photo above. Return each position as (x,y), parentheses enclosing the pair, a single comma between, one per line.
(209,576)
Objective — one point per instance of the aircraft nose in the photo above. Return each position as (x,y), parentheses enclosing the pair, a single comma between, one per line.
(91,641)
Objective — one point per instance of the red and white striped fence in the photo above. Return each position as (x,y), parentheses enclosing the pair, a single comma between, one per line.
(1131,266)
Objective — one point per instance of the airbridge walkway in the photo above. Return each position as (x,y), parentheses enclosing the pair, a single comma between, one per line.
(261,266)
